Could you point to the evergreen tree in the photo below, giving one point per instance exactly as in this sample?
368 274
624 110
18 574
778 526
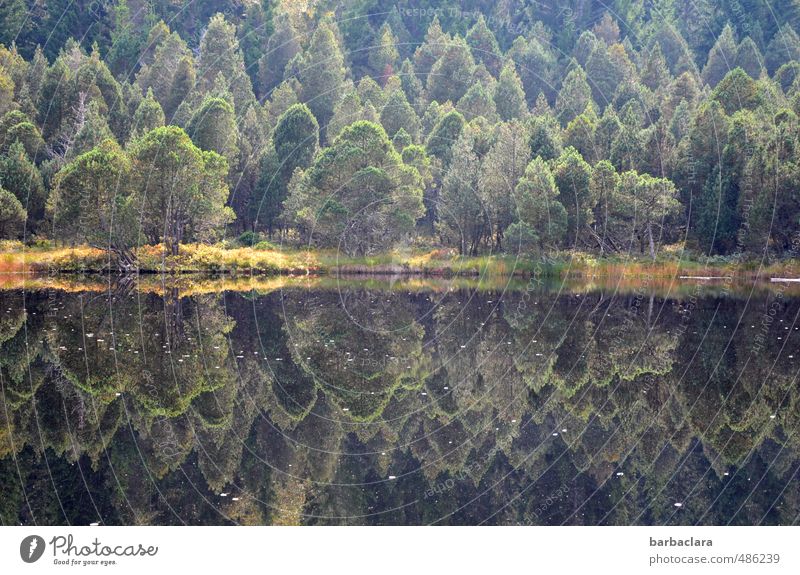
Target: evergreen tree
323 73
89 203
721 58
178 190
462 218
484 46
452 74
784 47
444 135
19 176
573 97
295 142
501 170
12 216
282 46
431 49
148 116
477 103
541 219
220 56
398 114
573 177
357 195
213 127
509 96
749 59
383 58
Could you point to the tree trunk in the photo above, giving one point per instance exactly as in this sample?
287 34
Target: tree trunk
650 240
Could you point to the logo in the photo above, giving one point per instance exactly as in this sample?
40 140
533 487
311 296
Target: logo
31 548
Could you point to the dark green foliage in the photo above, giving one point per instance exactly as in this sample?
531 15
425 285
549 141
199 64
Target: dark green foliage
295 141
444 135
650 89
12 216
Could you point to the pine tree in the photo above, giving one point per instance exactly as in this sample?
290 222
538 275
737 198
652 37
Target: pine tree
573 97
148 116
484 46
295 142
502 168
721 58
213 127
12 216
573 177
398 114
282 46
20 176
323 73
444 135
536 66
749 59
452 74
607 30
220 54
655 73
431 49
509 96
383 57
541 220
784 47
463 220
477 103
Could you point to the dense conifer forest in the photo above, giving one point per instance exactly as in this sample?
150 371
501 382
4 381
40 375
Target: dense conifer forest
481 127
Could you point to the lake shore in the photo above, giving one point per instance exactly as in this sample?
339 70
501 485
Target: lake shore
236 261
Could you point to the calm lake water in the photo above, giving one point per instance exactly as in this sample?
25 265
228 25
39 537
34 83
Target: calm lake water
409 402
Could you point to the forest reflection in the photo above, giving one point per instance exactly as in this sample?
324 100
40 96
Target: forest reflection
395 402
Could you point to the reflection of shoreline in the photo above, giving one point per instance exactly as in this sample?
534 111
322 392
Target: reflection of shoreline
567 413
671 287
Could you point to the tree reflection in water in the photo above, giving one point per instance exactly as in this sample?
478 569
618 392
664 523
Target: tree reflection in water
357 404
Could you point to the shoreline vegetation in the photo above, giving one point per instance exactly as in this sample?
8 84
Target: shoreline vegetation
16 258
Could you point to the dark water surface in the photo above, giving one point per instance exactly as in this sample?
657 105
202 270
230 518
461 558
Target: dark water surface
399 404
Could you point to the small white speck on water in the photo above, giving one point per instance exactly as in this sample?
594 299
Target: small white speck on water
555 433
772 416
563 431
726 473
392 477
223 494
620 474
235 498
678 504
